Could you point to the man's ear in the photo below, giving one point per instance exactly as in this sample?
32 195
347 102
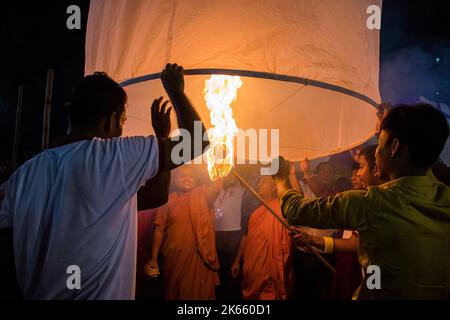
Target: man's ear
111 123
374 170
395 147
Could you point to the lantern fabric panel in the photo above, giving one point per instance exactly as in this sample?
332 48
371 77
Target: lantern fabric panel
309 67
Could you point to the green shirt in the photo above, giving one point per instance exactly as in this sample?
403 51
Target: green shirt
403 225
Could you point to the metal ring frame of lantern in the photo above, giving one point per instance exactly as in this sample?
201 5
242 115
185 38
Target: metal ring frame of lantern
261 75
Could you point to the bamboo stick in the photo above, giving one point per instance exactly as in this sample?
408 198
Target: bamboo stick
47 109
17 129
284 223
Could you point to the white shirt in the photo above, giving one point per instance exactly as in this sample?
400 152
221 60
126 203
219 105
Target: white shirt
76 205
228 208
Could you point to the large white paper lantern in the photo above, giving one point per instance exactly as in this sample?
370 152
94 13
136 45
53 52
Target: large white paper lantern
310 67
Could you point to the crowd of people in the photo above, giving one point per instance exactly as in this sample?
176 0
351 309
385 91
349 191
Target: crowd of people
139 225
259 258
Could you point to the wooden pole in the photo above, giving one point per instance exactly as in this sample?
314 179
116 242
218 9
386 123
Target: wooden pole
47 109
284 223
15 151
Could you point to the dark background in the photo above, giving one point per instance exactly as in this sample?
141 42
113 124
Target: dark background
34 38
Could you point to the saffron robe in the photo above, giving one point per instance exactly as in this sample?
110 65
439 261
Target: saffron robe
268 257
189 262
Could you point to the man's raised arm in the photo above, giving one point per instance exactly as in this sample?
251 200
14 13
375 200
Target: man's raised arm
173 81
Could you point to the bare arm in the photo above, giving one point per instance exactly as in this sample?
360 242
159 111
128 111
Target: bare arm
155 193
301 239
236 266
151 268
313 184
241 249
187 117
340 245
293 180
158 236
346 245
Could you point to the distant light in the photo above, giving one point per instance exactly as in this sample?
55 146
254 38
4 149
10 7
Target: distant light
438 60
438 93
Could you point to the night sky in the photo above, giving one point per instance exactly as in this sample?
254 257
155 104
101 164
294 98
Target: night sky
34 38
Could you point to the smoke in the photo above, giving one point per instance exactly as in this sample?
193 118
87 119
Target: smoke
410 73
413 74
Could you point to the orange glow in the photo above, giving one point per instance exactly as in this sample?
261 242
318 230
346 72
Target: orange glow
220 92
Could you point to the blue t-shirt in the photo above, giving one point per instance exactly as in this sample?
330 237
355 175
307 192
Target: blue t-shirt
76 206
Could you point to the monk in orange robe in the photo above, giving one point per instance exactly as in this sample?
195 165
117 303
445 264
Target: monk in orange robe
184 237
266 251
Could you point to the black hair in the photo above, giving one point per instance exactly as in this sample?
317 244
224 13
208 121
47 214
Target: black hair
323 164
422 128
97 96
369 154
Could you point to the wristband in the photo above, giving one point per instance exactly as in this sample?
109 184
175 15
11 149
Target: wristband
329 245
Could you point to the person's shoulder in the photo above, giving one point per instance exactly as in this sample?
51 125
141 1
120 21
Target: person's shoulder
39 164
355 193
42 158
384 192
367 195
130 144
132 139
239 188
173 196
274 203
100 147
443 192
259 210
120 140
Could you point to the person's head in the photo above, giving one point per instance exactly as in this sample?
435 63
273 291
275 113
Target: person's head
357 183
184 179
267 188
98 106
411 138
325 173
368 172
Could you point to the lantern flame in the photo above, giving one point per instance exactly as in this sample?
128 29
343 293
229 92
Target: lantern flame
220 92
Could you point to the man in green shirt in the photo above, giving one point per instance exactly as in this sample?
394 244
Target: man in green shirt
404 225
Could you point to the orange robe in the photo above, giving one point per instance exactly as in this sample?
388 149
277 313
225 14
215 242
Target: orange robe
268 257
189 262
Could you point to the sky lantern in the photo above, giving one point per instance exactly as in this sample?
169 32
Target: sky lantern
306 68
304 72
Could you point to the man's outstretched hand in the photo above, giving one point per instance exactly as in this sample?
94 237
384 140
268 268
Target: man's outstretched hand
151 268
161 118
173 79
187 117
284 170
302 240
282 177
